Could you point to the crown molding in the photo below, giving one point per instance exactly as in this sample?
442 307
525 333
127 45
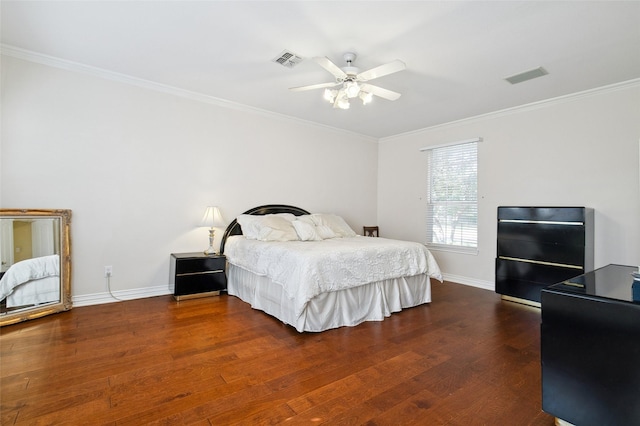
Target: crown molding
522 108
28 55
52 61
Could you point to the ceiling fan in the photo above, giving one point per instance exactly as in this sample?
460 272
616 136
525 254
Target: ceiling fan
354 83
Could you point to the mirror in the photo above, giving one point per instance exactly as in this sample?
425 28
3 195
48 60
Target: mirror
35 274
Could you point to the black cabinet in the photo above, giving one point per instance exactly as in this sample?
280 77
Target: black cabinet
540 246
197 275
590 349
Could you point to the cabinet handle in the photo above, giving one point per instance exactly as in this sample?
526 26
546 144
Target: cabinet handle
541 222
569 283
540 262
217 271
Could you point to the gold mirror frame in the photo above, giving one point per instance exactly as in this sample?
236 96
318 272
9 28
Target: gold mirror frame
64 304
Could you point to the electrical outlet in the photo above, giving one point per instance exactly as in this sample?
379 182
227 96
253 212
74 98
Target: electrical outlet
108 270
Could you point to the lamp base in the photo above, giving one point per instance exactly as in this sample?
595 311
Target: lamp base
210 251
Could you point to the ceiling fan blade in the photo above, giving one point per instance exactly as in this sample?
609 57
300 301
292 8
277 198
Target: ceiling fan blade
379 91
382 70
325 63
313 86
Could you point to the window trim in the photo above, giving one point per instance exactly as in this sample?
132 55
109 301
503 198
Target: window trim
444 145
452 249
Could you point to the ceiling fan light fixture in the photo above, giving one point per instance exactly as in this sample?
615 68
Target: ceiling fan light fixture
366 97
343 102
330 95
352 89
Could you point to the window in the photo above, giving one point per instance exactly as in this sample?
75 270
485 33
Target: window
452 196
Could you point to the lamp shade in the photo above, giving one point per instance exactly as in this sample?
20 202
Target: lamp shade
212 217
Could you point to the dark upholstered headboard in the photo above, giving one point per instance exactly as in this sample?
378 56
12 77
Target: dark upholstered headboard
235 229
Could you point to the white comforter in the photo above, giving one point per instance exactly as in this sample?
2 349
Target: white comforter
32 281
306 269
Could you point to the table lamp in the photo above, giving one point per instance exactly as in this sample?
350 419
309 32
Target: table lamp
212 218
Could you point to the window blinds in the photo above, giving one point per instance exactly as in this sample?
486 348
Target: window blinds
452 194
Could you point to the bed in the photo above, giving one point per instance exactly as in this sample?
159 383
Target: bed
313 272
31 282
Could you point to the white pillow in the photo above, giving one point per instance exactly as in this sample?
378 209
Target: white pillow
307 218
323 231
253 225
306 231
289 216
335 223
250 228
276 228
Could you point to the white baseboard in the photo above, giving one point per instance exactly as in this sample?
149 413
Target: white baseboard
141 293
119 295
487 285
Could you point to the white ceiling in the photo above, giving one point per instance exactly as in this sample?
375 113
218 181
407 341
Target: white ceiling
457 53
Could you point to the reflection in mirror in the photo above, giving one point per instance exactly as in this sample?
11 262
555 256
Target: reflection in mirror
35 273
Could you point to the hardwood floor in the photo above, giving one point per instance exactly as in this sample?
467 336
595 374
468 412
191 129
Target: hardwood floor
467 358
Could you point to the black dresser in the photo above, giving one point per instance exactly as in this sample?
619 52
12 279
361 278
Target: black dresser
540 246
590 349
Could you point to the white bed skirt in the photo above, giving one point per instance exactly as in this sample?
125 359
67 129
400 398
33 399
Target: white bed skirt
349 307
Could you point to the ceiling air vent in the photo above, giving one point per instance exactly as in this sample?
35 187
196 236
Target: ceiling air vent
527 75
288 59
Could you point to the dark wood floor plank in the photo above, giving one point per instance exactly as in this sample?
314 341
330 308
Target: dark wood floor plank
359 383
416 409
466 358
357 389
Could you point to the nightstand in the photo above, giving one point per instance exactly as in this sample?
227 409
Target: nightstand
197 275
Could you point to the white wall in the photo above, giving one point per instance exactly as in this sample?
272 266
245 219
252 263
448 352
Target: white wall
581 150
138 167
